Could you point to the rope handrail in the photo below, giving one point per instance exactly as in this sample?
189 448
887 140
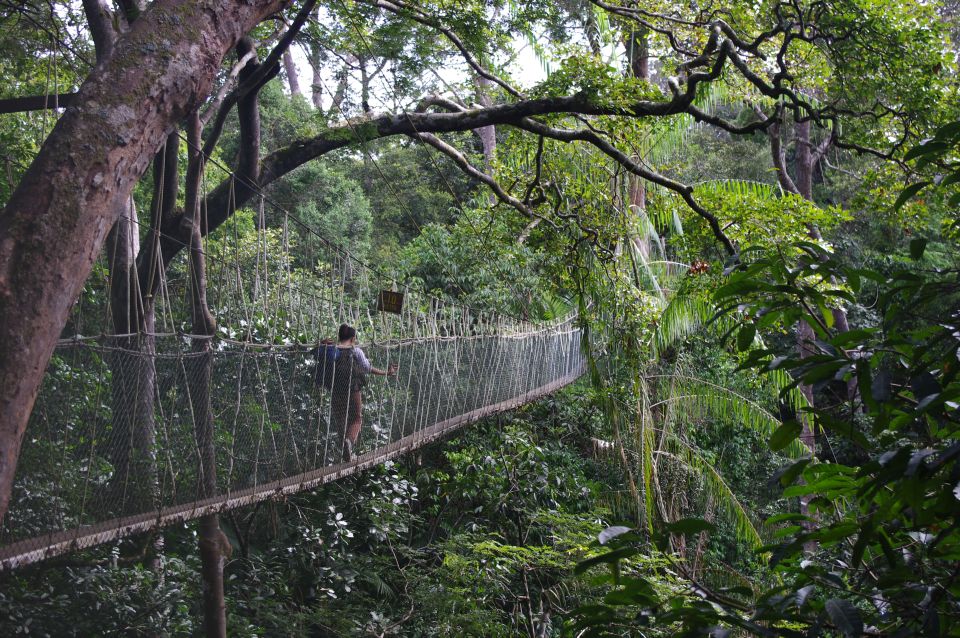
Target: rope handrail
111 469
26 552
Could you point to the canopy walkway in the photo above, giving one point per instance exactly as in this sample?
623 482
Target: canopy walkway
119 442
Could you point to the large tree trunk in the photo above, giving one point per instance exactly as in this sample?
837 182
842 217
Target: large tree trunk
487 134
316 86
316 65
805 162
131 447
365 79
57 220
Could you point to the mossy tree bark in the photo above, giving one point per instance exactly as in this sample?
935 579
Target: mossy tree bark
57 220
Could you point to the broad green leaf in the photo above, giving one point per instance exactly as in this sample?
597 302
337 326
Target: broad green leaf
929 148
612 532
917 246
784 434
908 193
787 475
690 526
845 617
745 337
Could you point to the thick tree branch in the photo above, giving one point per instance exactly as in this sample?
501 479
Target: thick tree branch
166 186
36 102
866 150
777 152
251 81
438 100
248 117
461 161
257 77
100 20
225 198
214 105
821 149
753 127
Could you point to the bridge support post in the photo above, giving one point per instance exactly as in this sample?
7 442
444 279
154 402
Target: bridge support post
214 551
214 546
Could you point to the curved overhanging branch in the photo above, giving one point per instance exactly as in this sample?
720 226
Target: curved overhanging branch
722 45
464 164
753 127
438 100
221 202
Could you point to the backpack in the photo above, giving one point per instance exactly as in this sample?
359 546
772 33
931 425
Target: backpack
348 375
326 355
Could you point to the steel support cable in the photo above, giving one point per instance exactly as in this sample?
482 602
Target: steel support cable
345 254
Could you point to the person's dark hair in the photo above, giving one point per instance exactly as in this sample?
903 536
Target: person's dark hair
346 332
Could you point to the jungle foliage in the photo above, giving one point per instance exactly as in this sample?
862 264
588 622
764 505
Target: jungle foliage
766 440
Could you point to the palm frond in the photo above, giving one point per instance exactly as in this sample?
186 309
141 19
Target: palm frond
737 188
713 481
703 399
683 316
794 398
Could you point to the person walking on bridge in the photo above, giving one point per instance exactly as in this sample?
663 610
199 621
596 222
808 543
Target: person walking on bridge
350 375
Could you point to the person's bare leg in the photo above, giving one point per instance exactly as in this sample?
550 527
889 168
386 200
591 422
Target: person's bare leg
356 411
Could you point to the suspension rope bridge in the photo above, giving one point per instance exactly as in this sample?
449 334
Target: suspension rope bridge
117 442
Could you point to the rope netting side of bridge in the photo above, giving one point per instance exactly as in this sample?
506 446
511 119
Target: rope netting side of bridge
117 442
